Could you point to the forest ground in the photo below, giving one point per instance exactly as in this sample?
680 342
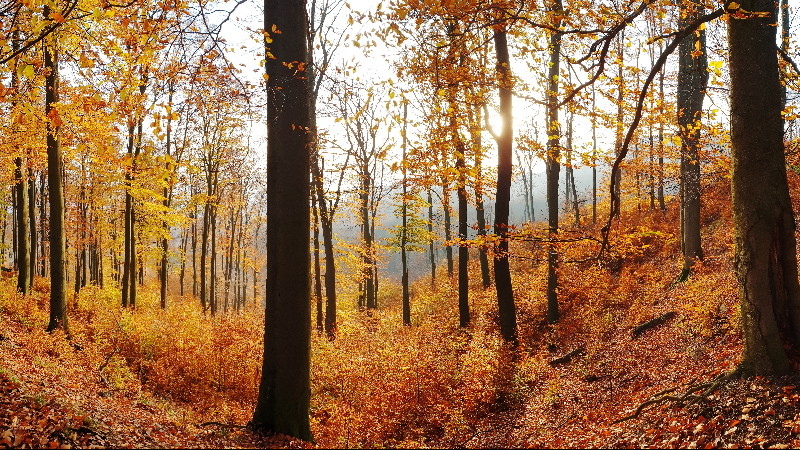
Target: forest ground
134 380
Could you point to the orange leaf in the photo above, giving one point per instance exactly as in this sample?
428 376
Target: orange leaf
57 17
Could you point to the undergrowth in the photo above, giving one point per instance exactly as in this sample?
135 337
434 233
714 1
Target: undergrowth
381 384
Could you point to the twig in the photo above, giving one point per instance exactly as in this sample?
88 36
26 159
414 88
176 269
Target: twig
223 425
680 400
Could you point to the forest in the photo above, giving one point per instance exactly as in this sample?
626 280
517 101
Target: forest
399 223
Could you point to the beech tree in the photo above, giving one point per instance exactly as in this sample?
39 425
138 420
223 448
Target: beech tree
285 389
502 270
765 254
692 84
55 189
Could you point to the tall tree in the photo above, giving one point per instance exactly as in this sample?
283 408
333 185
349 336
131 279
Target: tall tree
55 189
285 390
21 194
502 271
692 84
404 231
553 164
766 261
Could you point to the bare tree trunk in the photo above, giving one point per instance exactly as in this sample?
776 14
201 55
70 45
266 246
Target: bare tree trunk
620 121
23 224
766 261
502 272
58 250
553 168
692 84
432 249
475 118
285 388
404 230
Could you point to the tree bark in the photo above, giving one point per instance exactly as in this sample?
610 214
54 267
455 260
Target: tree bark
765 261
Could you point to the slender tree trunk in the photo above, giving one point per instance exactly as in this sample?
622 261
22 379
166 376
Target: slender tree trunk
317 267
432 249
203 254
127 273
24 238
553 168
502 272
44 200
58 245
23 225
212 289
475 118
369 251
163 269
594 159
33 235
404 232
571 174
448 236
620 121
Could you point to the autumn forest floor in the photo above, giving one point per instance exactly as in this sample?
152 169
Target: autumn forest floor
144 379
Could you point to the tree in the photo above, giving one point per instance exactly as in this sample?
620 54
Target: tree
692 84
766 261
285 389
553 165
502 271
55 189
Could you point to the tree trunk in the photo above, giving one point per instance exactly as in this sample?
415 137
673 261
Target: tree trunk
285 389
33 235
317 267
212 289
432 248
369 251
766 262
24 238
502 272
58 244
477 145
617 192
204 254
23 224
692 84
553 168
594 159
404 230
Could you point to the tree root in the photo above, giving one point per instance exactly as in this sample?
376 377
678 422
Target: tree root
695 393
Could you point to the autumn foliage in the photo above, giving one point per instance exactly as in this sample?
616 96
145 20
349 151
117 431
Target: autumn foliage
432 384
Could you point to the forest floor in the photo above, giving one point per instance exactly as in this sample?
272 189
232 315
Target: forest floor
51 398
383 385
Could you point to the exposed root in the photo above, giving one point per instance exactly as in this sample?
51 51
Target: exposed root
695 393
